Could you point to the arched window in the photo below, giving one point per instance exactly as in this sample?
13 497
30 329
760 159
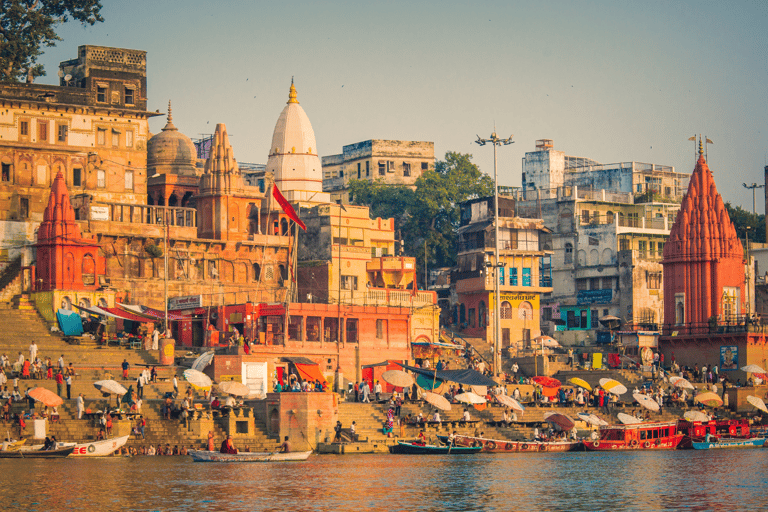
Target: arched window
89 269
525 311
256 271
568 253
283 273
609 217
505 313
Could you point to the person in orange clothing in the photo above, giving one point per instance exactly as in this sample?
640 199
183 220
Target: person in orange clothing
25 370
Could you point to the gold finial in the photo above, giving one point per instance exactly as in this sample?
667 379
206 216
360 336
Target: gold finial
170 112
292 94
701 147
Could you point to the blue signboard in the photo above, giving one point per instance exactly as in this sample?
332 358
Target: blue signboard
729 357
594 296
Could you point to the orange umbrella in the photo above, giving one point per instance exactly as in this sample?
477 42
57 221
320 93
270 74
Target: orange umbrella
46 397
709 399
438 401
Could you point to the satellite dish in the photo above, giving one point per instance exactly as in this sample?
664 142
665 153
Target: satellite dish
67 77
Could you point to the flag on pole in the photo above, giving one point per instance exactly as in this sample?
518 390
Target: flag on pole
287 208
693 138
709 141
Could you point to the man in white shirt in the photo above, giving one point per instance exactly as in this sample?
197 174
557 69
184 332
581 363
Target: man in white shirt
436 417
377 390
80 406
32 351
61 363
466 415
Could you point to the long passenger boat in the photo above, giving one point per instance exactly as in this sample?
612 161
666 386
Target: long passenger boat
713 442
505 446
638 436
415 448
697 431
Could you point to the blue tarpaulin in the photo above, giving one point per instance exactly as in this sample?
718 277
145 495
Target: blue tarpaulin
70 322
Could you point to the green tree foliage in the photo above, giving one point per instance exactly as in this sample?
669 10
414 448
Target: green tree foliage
431 212
26 26
743 219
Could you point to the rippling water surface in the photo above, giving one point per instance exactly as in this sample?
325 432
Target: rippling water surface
681 480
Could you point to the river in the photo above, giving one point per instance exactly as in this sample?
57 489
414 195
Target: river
677 480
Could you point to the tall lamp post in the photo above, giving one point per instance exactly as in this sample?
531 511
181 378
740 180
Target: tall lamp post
496 141
753 187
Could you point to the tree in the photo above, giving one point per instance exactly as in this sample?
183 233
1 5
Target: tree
26 26
743 219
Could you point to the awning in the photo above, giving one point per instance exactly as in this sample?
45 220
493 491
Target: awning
113 313
469 377
451 346
298 360
70 322
151 314
383 363
310 372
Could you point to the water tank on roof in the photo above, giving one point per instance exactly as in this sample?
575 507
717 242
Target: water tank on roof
544 144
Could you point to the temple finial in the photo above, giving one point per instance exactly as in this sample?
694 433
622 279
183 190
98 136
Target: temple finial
170 112
292 94
701 146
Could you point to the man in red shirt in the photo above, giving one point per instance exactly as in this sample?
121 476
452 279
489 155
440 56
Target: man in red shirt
59 382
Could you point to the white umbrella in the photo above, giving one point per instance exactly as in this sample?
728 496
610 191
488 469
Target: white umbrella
752 368
202 361
438 401
681 383
235 388
756 401
397 378
546 341
646 401
627 419
479 390
510 402
613 386
198 379
696 416
110 387
470 398
592 419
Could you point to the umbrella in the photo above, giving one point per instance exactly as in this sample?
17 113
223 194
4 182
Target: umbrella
510 402
479 390
610 321
49 398
753 400
397 378
561 420
592 419
470 398
438 401
110 387
681 383
646 401
234 388
752 368
613 386
202 361
547 382
709 399
581 383
695 416
198 379
626 419
546 341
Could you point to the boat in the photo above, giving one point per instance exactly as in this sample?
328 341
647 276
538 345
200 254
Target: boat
103 448
696 431
506 446
206 456
637 436
711 442
36 454
413 448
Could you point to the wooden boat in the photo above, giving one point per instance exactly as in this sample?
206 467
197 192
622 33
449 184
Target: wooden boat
206 456
102 448
637 436
431 449
36 454
696 431
505 446
712 442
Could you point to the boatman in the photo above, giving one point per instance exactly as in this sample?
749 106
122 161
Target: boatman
227 446
285 447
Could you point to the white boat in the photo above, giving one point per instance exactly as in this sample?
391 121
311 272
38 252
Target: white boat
103 448
206 456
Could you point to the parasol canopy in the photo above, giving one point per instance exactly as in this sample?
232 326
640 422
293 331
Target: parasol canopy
681 383
546 382
646 401
397 378
202 361
428 383
696 416
610 321
580 382
752 368
234 388
110 387
510 402
626 419
546 341
470 398
198 379
438 401
755 401
561 420
709 399
479 390
592 419
613 386
46 397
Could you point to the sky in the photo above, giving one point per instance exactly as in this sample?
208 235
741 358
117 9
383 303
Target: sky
615 81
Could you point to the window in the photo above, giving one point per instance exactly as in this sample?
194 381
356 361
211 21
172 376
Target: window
501 275
654 280
546 314
380 329
382 168
424 166
571 321
359 171
582 284
513 276
406 169
129 138
115 138
568 253
505 312
367 168
62 135
594 283
471 317
42 131
101 94
623 244
129 95
101 178
526 277
351 327
6 174
660 248
593 319
77 177
24 128
101 136
349 282
341 173
23 207
128 180
585 216
642 248
584 323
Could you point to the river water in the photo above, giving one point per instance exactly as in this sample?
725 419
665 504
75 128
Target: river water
676 480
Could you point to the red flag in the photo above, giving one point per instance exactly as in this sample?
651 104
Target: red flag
286 206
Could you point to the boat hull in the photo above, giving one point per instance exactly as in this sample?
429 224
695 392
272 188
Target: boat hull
503 446
100 448
668 443
36 454
429 449
729 444
206 456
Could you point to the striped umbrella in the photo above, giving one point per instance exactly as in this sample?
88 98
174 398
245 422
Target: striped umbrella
613 386
681 383
198 379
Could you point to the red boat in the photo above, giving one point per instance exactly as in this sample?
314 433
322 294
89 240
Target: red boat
504 446
638 436
696 431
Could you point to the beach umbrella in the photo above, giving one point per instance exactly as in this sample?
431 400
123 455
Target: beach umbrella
546 341
546 382
752 368
479 390
234 388
755 401
110 387
609 321
613 386
198 379
592 419
681 383
397 378
581 383
626 419
709 399
202 361
561 420
438 401
46 397
696 416
510 402
646 401
470 398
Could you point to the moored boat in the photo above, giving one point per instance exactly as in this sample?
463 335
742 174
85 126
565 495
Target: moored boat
505 446
206 456
103 448
36 454
714 442
430 449
696 431
637 436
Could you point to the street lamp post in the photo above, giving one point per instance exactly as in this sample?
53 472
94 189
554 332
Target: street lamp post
753 187
496 141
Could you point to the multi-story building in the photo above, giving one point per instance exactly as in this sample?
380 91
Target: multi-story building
394 162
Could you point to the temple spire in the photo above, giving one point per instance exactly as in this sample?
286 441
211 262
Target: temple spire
292 94
169 125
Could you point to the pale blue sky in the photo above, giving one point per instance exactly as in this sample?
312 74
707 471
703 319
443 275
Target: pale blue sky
609 80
